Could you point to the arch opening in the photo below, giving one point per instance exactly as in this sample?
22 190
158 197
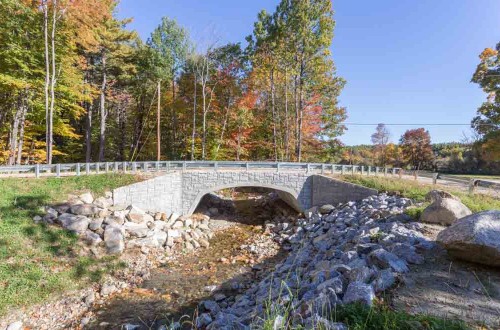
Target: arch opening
287 195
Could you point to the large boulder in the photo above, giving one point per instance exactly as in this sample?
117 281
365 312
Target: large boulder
85 209
114 239
475 238
445 209
137 215
75 223
136 229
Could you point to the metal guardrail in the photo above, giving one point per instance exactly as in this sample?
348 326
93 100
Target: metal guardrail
77 169
471 183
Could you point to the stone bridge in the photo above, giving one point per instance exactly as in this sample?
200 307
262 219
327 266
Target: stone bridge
180 192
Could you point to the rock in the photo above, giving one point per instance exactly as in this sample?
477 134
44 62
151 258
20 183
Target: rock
213 211
203 242
130 326
203 320
359 292
95 224
318 322
160 237
103 202
74 223
114 239
136 229
436 195
114 220
89 299
62 207
173 233
445 211
137 215
107 289
87 198
385 279
210 306
92 238
173 218
37 218
384 259
49 218
149 241
85 209
325 209
475 238
18 325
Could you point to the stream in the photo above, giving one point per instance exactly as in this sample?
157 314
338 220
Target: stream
240 253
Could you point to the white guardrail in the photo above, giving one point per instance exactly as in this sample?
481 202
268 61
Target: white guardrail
77 169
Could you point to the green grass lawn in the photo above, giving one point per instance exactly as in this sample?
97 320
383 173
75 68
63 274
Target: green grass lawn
38 261
417 191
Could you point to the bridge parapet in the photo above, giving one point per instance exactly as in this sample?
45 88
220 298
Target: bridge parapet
181 192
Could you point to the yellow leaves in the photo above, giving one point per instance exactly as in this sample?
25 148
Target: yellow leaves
487 53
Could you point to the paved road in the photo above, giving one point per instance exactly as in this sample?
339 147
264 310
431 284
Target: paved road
456 185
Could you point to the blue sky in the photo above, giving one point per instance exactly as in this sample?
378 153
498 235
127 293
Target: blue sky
404 61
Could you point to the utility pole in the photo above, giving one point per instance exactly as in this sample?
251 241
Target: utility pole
158 153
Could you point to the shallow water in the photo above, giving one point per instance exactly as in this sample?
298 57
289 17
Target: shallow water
173 291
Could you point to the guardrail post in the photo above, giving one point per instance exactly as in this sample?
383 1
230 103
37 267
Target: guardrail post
87 168
362 170
168 166
472 185
97 167
322 168
183 166
58 170
369 170
124 167
393 171
134 167
145 166
77 169
434 178
37 171
157 166
115 167
216 166
352 169
400 172
106 167
333 168
277 167
247 165
308 168
385 171
342 170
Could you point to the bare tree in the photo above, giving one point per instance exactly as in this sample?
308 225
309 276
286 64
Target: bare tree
380 139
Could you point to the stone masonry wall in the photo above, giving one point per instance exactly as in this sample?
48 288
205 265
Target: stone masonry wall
161 194
181 192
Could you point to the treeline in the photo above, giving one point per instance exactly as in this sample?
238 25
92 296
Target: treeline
415 151
76 85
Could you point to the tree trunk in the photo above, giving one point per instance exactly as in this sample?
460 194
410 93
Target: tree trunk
158 128
238 148
13 136
287 127
47 73
52 83
174 117
88 133
204 124
297 114
193 134
104 114
301 112
24 110
273 110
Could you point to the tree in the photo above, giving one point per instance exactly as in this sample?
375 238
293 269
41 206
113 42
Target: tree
487 121
416 148
170 44
380 139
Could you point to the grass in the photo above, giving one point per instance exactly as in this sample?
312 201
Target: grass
39 261
380 317
417 191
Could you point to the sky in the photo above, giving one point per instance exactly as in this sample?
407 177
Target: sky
405 62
